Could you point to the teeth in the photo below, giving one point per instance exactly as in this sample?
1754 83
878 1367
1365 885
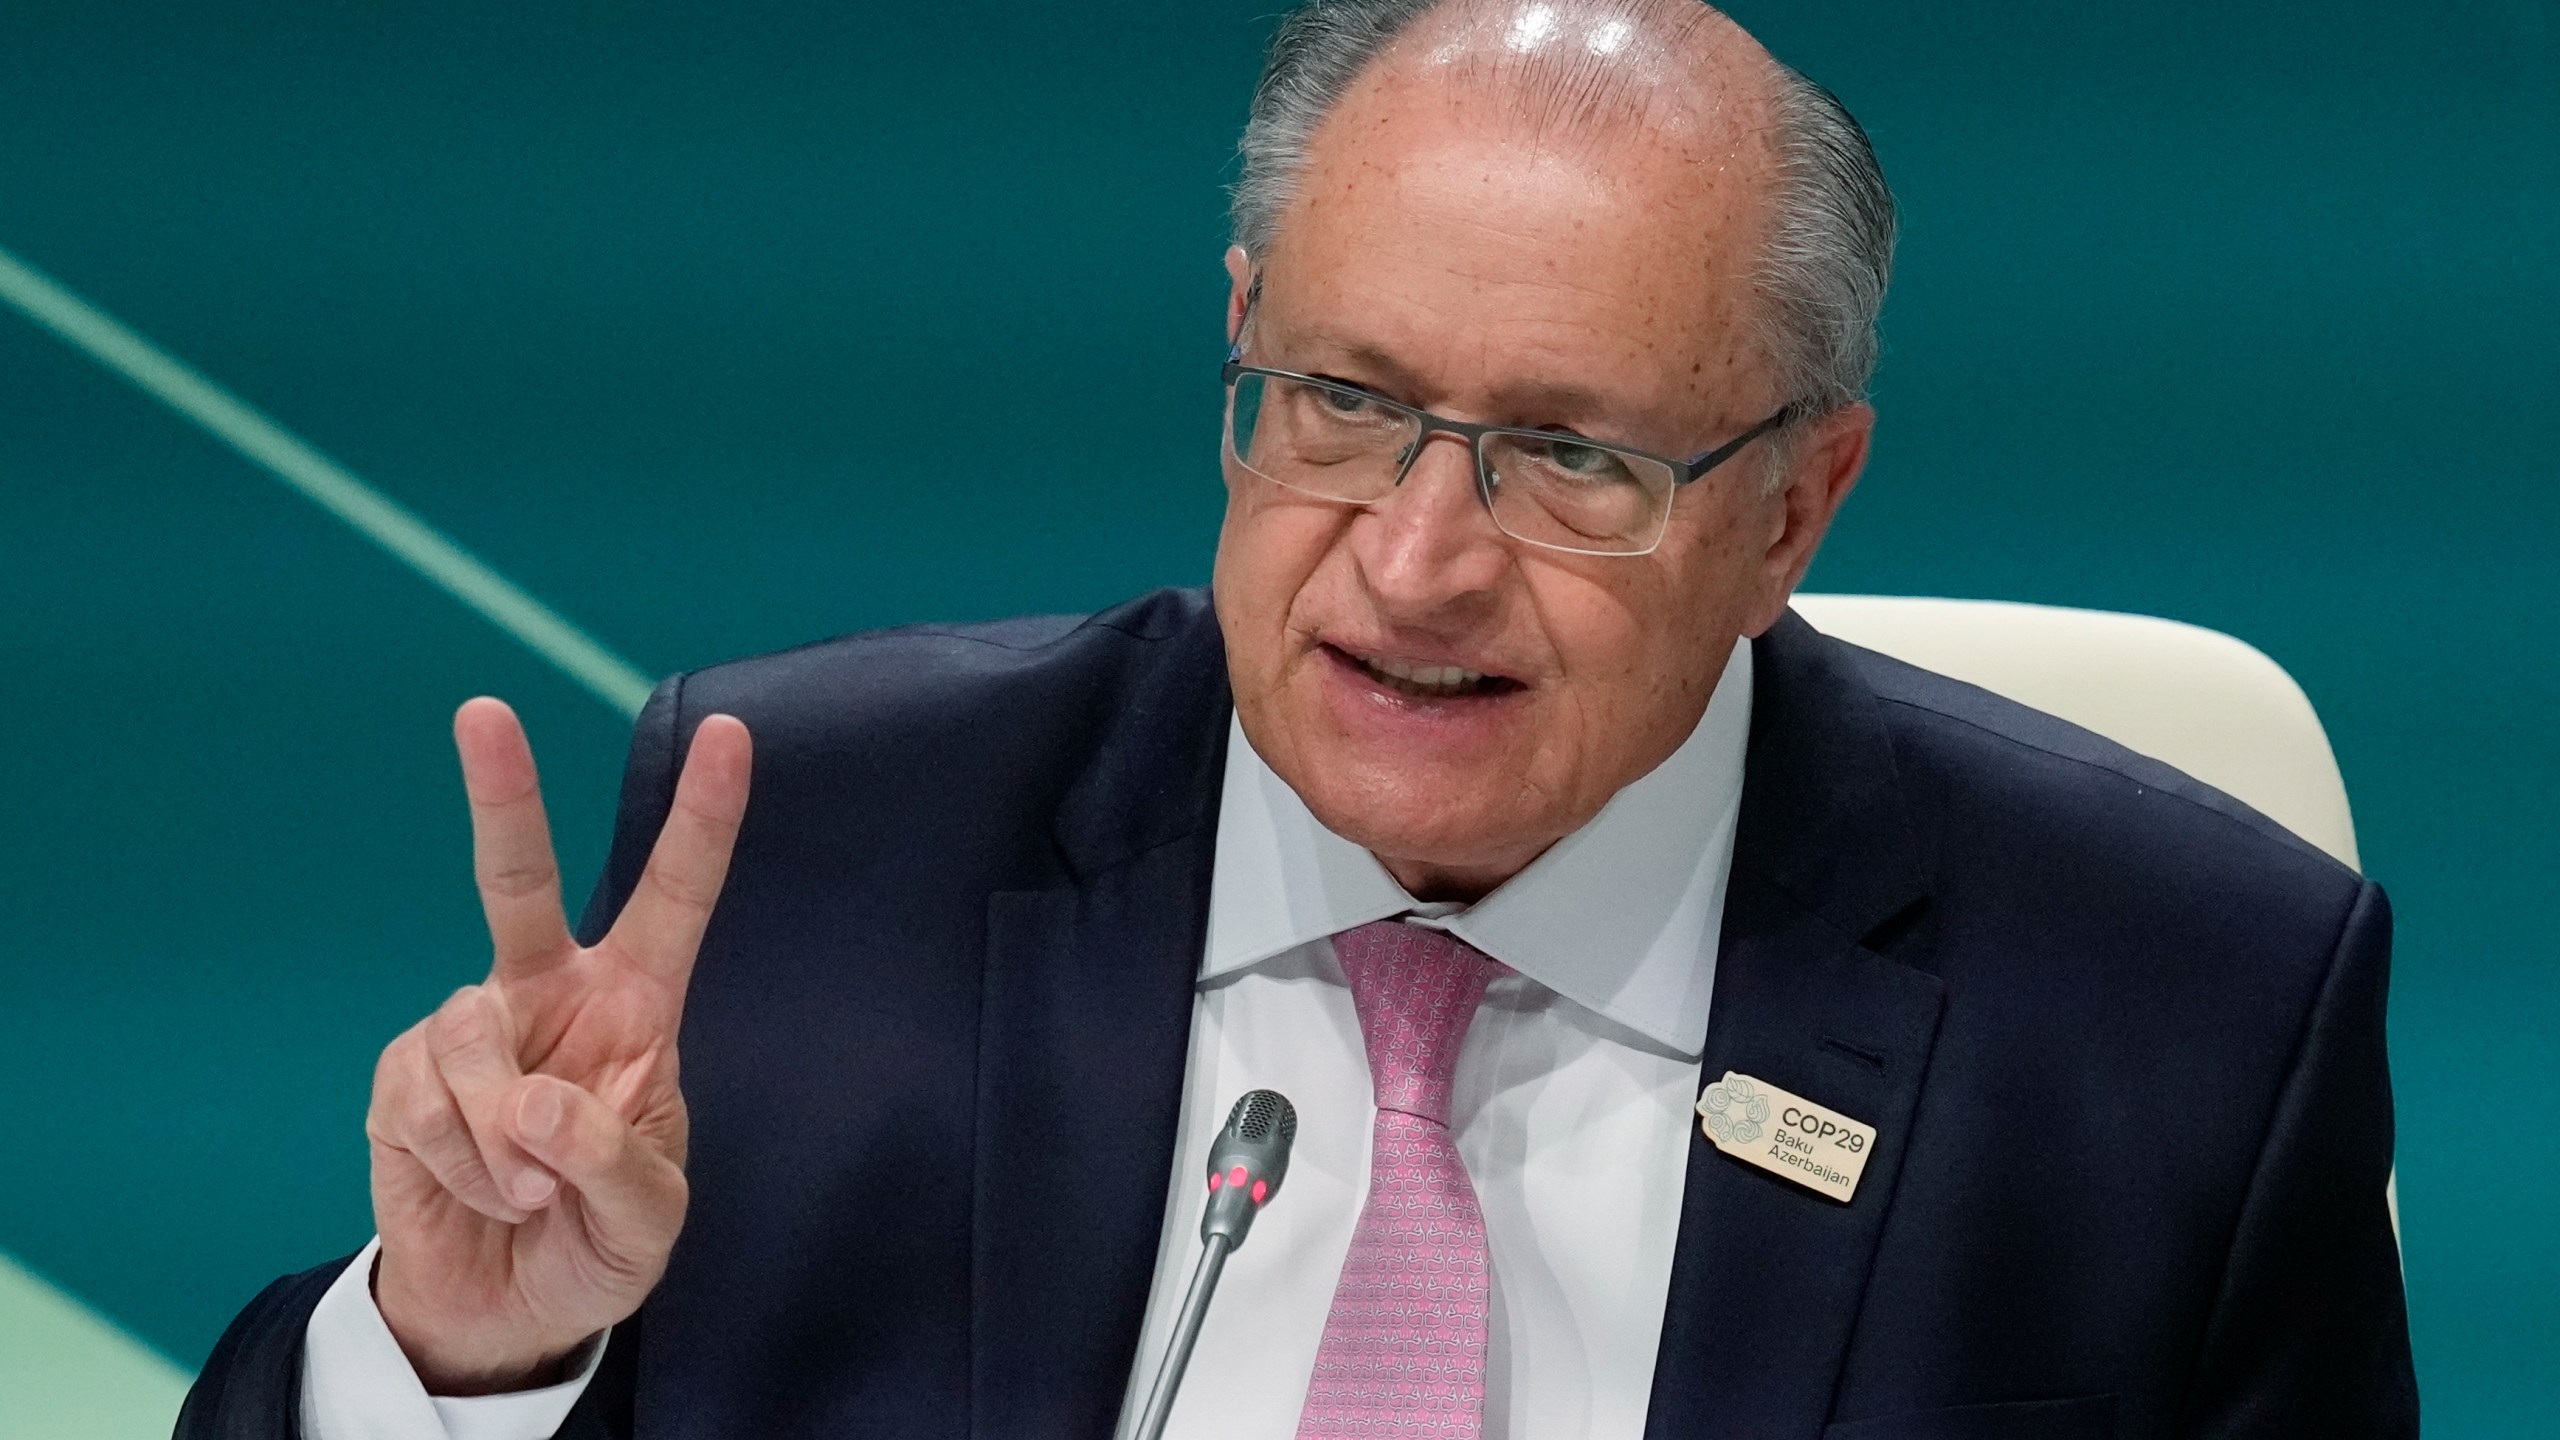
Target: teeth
1444 678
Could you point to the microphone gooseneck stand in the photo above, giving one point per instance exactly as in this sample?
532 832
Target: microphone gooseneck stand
1245 1167
1186 1333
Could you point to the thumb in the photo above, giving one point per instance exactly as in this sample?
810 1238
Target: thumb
632 1193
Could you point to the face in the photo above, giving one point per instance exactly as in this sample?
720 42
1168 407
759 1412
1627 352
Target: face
1452 699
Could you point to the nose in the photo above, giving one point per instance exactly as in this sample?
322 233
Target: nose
1431 545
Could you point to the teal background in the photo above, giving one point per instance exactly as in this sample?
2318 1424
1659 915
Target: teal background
722 328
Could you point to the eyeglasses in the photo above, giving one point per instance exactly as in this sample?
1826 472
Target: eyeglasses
1544 487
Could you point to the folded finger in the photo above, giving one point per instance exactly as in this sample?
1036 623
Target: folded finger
473 1048
413 1113
632 1193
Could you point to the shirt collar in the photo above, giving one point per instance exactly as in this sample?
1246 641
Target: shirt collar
1620 917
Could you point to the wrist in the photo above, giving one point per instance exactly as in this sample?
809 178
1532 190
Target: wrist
465 1359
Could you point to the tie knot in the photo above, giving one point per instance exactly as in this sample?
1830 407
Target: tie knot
1416 990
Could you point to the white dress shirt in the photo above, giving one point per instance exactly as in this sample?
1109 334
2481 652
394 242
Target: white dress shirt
1572 1107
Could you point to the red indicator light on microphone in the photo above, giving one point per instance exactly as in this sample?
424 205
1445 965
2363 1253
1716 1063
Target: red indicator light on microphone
1260 1190
1236 1176
1216 1180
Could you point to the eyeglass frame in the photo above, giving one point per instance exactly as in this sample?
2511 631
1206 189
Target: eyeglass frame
1683 472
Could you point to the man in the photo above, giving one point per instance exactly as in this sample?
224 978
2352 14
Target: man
1495 810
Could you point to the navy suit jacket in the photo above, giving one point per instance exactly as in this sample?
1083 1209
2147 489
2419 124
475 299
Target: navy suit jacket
2121 1039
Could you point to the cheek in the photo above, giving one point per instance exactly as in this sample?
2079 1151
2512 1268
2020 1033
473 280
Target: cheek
1713 565
1269 553
1606 632
1654 631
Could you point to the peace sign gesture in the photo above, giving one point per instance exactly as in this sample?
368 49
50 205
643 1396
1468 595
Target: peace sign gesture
528 1137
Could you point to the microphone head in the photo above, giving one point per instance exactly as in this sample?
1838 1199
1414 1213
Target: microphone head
1247 1162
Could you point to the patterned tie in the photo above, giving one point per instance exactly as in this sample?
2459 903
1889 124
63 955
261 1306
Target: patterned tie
1403 1349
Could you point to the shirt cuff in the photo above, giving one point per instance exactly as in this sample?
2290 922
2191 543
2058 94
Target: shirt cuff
356 1385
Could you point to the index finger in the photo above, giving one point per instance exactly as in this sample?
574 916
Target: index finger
661 925
511 856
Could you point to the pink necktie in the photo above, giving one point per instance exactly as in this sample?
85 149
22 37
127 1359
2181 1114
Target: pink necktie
1403 1349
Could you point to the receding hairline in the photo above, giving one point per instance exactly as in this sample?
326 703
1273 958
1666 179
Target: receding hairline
1598 70
1677 77
1790 145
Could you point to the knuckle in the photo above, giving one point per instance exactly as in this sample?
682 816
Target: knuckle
419 1118
400 1095
691 892
466 1022
456 1015
500 797
397 1062
466 1176
447 1148
709 822
382 1114
521 880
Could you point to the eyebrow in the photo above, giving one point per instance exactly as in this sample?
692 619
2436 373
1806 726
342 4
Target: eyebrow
1551 400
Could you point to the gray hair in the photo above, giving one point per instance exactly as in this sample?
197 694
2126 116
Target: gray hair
1830 252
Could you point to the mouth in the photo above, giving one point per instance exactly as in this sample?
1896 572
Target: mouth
1417 680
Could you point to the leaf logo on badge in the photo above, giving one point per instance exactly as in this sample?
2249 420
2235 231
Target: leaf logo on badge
1734 1110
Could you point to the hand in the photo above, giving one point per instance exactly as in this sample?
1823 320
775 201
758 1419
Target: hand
528 1138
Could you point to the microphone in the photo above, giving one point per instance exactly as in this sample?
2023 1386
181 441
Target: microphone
1246 1164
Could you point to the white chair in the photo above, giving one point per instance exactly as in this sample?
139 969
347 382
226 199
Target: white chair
2189 697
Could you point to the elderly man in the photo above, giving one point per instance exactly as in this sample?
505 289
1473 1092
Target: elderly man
1498 812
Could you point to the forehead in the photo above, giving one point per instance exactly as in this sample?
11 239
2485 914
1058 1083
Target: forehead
1568 63
1697 163
1444 209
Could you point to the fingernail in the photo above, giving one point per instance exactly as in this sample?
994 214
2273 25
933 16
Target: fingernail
533 1187
539 1113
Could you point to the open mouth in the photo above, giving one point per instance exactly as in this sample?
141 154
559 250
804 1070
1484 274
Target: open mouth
1425 682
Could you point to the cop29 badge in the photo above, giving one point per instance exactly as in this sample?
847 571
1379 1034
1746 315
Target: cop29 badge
1786 1135
1734 1110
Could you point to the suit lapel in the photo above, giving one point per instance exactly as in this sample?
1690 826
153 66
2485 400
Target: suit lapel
1767 1276
1085 1021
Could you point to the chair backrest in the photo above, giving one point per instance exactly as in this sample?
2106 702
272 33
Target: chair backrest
2186 696
2183 695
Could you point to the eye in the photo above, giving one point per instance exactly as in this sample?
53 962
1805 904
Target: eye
1343 399
1582 459
1581 462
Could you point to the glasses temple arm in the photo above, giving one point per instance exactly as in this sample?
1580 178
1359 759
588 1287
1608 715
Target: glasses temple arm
1713 458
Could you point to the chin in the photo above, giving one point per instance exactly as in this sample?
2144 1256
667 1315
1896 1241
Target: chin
1446 822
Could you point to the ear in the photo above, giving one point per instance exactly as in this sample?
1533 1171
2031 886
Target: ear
1240 289
1823 468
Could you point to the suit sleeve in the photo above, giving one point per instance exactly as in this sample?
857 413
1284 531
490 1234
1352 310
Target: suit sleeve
251 1386
2310 1334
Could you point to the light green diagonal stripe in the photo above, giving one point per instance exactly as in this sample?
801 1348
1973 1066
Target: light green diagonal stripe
65 1374
370 513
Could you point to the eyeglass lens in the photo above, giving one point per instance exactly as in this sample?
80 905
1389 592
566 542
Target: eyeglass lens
1339 444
